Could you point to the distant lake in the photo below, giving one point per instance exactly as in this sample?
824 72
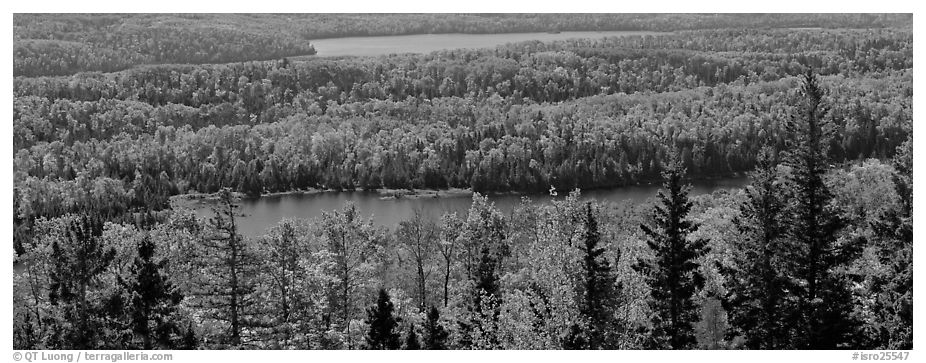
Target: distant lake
264 212
426 43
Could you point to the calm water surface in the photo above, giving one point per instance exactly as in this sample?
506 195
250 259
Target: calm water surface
426 43
264 212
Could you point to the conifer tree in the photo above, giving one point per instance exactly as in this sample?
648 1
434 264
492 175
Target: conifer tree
382 333
821 316
154 301
600 289
190 341
78 263
435 337
756 284
230 264
411 340
674 274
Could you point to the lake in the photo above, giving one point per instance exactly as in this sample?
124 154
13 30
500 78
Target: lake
264 212
426 43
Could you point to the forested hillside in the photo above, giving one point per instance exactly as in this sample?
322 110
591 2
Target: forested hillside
64 44
815 254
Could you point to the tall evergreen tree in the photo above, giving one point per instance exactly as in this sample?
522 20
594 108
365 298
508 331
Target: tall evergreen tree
756 282
190 341
78 263
674 274
894 233
230 263
411 340
382 334
821 317
435 337
154 301
600 289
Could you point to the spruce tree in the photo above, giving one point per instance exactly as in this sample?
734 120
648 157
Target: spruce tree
756 282
189 342
382 334
821 316
674 274
154 301
600 289
78 263
411 339
435 337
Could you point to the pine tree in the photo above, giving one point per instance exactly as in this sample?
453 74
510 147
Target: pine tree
382 334
756 283
154 301
189 342
674 275
411 340
821 317
78 262
600 289
894 232
435 337
230 264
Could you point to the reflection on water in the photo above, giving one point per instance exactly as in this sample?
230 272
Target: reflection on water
262 213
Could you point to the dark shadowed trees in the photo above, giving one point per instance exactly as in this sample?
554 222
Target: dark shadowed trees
383 333
600 290
673 275
757 283
435 336
821 315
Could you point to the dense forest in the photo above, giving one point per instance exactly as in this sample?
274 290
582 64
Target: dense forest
816 253
64 44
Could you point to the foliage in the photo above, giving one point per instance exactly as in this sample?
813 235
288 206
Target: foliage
383 332
674 275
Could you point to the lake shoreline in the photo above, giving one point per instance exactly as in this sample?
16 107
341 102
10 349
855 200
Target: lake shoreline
424 43
192 199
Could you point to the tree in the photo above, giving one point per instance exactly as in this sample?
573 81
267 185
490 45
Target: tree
600 289
190 341
382 333
78 261
450 229
674 274
485 247
230 265
821 316
294 281
756 282
418 238
894 233
435 337
354 246
411 340
154 301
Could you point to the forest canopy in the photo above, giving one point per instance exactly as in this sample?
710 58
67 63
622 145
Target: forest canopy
64 44
115 116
